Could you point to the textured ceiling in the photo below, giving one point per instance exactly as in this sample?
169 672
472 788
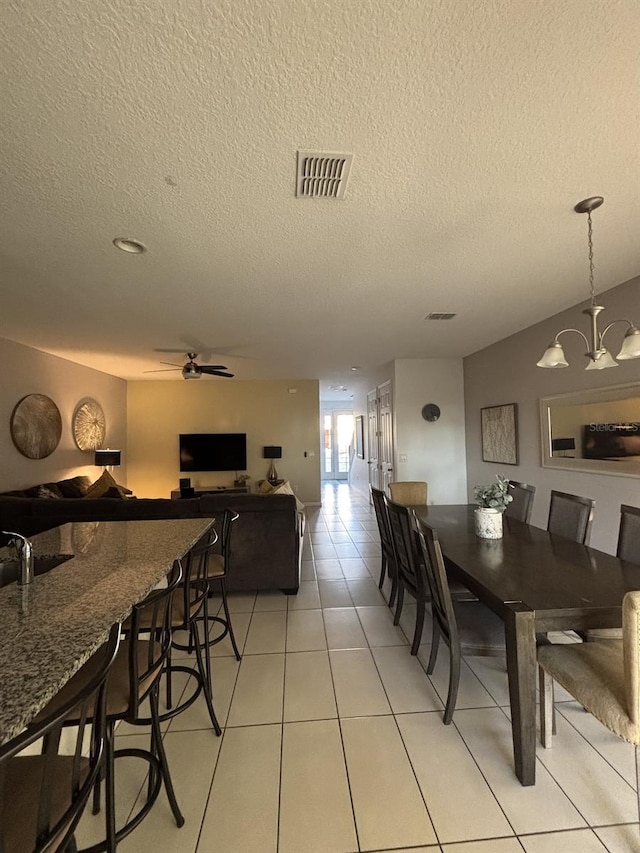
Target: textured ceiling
475 126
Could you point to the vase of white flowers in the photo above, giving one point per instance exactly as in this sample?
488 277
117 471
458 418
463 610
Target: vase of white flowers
492 501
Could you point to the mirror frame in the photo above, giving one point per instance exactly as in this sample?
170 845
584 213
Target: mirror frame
593 466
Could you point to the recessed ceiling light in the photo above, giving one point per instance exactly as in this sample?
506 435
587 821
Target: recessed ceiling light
128 244
355 368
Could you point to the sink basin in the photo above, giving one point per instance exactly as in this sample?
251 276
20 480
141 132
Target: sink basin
10 569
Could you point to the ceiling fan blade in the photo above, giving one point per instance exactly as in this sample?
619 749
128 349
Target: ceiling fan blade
172 364
216 372
163 369
207 368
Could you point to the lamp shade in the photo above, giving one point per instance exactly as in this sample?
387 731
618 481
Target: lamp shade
106 457
605 360
630 345
272 452
553 356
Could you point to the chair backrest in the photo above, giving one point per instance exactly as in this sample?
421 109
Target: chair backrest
228 517
522 503
149 639
408 492
629 534
55 786
570 516
631 653
410 569
441 604
380 508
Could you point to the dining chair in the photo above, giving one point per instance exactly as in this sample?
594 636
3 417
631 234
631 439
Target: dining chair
411 575
388 565
217 569
522 504
570 516
43 793
408 492
629 550
603 677
467 627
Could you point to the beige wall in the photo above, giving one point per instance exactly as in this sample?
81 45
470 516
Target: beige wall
266 410
29 371
506 373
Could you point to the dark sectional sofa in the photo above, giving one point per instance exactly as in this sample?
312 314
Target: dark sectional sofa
266 540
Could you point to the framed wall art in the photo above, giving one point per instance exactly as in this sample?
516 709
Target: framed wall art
88 425
499 426
36 426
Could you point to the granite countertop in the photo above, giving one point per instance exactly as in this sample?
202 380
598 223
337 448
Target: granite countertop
50 628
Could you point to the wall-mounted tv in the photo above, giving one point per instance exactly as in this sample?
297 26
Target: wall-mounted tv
213 451
611 441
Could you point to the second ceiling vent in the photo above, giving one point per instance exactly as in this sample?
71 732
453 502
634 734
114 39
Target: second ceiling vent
322 174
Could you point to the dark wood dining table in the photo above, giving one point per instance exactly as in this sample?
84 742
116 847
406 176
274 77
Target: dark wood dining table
536 583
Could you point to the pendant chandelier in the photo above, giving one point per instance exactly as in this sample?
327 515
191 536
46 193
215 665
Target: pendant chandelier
598 355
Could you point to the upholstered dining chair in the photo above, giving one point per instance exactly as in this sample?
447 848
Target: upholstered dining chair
603 677
388 564
522 504
629 550
467 627
43 796
570 516
408 492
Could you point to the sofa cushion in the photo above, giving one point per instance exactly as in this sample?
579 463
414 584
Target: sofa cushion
45 492
75 487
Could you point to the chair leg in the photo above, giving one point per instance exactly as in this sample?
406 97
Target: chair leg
383 570
228 618
110 789
546 708
167 676
417 634
399 603
435 645
164 767
207 689
454 682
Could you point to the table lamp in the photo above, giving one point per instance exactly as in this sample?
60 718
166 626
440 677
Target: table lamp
272 453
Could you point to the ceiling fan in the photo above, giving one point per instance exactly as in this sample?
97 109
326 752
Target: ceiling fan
191 370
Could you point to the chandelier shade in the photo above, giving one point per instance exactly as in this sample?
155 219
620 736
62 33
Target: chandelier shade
599 356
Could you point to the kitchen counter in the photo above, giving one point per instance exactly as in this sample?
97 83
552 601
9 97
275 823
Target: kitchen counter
50 628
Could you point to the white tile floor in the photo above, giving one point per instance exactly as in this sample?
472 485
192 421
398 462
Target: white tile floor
333 739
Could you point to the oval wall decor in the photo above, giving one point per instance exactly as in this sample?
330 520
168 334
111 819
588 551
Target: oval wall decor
36 426
89 425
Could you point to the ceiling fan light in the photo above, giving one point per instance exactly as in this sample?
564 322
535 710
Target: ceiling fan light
553 356
602 361
190 371
630 345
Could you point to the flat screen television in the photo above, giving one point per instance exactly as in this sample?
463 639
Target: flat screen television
611 441
213 451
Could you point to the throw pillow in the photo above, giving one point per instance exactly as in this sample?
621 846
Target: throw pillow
101 486
265 487
44 492
114 492
75 487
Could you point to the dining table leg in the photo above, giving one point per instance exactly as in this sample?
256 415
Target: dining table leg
520 640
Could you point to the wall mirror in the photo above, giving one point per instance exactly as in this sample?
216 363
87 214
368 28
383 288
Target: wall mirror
597 430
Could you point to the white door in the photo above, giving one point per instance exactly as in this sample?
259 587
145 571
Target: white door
338 439
385 430
372 438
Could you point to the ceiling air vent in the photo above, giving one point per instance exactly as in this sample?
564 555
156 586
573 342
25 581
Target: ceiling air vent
440 315
322 174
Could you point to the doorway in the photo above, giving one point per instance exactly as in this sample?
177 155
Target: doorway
338 440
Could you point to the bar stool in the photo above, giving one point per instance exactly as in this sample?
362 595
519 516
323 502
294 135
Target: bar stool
42 797
134 677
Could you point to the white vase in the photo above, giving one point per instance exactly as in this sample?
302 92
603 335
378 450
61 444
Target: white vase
488 523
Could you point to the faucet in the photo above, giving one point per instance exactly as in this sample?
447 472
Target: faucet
24 549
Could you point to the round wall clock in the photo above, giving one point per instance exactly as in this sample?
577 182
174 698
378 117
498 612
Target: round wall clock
36 426
89 425
430 412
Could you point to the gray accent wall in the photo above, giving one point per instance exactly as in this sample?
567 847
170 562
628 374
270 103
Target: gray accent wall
506 372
